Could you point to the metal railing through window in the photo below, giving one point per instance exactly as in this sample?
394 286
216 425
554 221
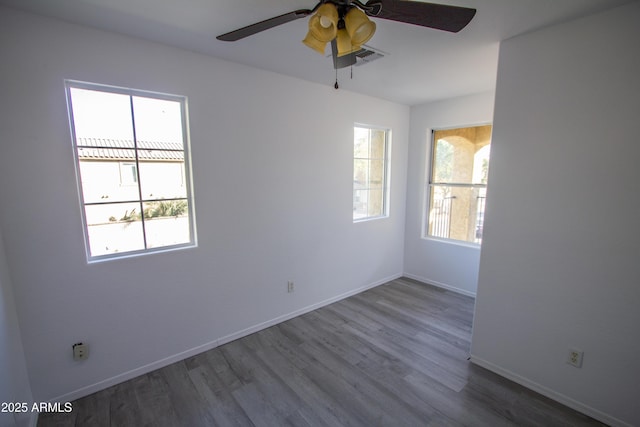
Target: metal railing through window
441 217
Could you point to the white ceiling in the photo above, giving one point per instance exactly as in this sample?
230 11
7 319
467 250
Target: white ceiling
422 64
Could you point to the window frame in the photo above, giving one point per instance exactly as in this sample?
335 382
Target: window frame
429 170
386 186
186 173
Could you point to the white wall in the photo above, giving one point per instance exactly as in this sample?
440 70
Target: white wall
272 168
560 258
450 265
14 383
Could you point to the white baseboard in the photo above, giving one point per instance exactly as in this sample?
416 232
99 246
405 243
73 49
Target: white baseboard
101 385
440 285
145 369
248 331
552 394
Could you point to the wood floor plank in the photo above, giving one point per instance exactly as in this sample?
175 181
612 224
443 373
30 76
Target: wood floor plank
316 407
363 388
223 407
152 395
395 355
93 411
265 381
190 406
466 412
123 406
56 419
257 406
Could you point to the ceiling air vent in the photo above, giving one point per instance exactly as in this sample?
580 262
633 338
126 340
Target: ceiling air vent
366 55
363 56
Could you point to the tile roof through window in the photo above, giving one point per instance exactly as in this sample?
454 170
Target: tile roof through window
123 149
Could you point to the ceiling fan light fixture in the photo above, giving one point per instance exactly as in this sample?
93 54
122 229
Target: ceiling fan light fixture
343 42
359 26
315 44
324 24
328 13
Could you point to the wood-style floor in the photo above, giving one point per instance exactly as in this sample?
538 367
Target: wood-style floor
395 355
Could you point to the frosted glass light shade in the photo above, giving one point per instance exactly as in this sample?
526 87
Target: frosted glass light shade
344 43
324 24
359 26
314 43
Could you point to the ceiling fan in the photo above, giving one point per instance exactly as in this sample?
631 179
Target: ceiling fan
346 24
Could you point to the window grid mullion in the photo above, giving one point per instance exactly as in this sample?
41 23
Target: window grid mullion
122 202
458 184
137 160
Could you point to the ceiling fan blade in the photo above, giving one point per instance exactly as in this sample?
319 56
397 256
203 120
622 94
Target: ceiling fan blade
432 15
263 25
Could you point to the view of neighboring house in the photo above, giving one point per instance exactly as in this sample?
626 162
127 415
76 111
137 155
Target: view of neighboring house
150 182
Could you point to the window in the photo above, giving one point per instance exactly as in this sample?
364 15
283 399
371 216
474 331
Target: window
131 151
370 172
128 174
458 183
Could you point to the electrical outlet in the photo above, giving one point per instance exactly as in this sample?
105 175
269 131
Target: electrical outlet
290 286
80 351
574 357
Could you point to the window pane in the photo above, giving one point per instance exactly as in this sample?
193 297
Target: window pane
376 173
368 203
360 203
481 165
377 144
443 161
114 228
360 173
167 223
375 207
157 120
160 147
361 143
440 212
162 180
101 115
461 155
456 212
108 180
